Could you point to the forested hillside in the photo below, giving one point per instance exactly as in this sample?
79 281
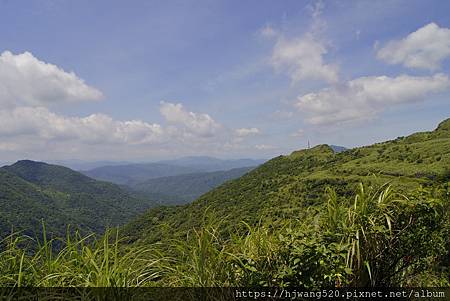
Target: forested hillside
32 192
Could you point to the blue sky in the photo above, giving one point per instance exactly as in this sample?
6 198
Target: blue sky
146 80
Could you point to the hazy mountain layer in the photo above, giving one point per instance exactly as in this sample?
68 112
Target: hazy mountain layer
186 188
133 174
208 164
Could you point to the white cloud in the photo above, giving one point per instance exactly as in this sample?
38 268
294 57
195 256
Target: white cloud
244 132
40 133
29 87
39 122
425 48
365 97
302 58
25 80
198 124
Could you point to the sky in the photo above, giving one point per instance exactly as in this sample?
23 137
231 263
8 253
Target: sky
150 80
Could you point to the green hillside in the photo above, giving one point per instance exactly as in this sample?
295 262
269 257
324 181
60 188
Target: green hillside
23 206
34 191
183 189
286 186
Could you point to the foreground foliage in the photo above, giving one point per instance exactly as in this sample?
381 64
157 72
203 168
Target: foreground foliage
376 238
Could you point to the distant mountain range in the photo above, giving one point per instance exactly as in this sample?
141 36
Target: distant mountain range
133 174
185 188
34 191
208 164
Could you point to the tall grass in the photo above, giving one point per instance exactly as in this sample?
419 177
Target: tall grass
377 238
81 262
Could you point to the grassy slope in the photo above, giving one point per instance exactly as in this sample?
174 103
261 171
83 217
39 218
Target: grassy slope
286 186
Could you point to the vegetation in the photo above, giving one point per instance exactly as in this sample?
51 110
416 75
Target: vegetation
380 238
33 191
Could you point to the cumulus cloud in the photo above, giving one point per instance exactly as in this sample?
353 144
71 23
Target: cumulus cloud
196 123
425 48
244 132
29 87
25 80
39 122
302 58
365 97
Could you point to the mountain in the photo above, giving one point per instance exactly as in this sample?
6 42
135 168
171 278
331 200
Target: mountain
205 163
132 174
289 186
31 191
186 188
